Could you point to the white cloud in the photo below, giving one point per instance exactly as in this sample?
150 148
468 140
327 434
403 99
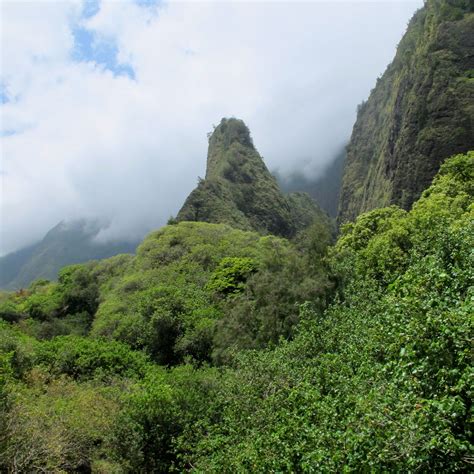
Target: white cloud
93 143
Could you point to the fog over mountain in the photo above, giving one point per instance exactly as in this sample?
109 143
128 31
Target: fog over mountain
106 106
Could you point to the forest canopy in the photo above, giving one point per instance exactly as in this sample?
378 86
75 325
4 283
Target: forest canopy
216 349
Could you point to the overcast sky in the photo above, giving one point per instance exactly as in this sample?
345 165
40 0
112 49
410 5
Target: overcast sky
105 106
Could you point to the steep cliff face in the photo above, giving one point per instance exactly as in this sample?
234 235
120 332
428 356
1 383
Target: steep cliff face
420 112
240 191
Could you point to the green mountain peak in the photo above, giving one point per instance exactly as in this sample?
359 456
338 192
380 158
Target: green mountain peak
240 191
230 137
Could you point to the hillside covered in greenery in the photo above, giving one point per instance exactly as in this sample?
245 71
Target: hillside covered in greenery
220 350
238 189
419 113
245 335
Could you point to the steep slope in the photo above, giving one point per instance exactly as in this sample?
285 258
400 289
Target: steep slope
420 112
240 191
64 244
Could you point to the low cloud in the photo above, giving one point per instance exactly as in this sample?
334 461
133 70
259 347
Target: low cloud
105 110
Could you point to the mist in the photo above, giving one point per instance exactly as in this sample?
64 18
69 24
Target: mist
106 106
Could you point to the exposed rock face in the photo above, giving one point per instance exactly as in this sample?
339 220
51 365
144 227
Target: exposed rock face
420 112
240 191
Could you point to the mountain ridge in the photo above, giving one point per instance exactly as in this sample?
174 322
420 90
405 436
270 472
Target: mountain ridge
68 242
419 113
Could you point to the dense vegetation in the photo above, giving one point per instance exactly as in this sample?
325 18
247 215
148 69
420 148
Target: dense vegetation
191 289
243 337
419 113
219 350
240 191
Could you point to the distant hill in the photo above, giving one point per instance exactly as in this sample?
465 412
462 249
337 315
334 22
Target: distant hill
324 189
238 189
65 244
419 113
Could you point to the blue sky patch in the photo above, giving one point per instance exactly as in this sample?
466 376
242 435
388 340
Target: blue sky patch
7 133
147 3
3 94
90 8
88 47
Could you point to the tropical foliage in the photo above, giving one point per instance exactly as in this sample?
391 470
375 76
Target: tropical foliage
219 350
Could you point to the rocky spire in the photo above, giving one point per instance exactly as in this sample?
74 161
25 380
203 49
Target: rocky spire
240 191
